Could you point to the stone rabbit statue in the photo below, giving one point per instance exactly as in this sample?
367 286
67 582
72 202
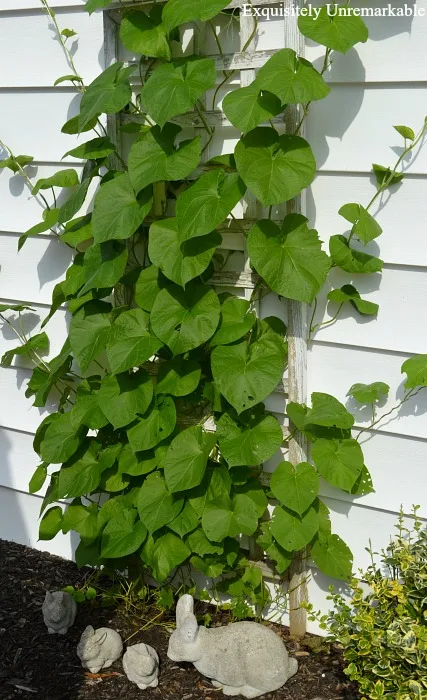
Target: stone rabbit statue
243 658
99 648
141 665
59 611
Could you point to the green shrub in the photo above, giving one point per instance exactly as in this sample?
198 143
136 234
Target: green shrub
384 632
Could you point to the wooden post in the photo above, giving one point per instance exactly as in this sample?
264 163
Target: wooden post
297 336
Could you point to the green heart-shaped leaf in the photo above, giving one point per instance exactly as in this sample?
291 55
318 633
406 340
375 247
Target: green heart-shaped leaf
275 168
178 377
180 261
154 157
117 211
296 487
339 32
154 426
364 225
186 459
104 264
225 517
89 330
121 397
251 441
289 259
178 12
173 88
333 557
292 531
207 203
145 34
292 79
130 342
368 393
338 461
109 93
185 320
156 506
416 370
122 536
246 373
236 320
248 107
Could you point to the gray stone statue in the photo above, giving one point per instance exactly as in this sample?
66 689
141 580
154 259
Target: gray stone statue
99 648
243 658
141 665
59 611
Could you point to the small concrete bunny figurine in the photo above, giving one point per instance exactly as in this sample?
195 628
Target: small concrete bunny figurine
243 658
59 611
99 648
141 665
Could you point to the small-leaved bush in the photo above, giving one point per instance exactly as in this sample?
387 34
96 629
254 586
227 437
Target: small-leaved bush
384 632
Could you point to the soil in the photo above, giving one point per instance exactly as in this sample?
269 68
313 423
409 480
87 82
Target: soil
34 664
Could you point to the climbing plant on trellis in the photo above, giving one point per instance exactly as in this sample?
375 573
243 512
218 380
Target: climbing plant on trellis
162 430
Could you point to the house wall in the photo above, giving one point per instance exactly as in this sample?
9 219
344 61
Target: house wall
374 86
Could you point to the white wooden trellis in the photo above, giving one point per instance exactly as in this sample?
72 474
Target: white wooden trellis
246 61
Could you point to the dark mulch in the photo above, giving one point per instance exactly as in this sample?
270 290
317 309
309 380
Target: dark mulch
34 664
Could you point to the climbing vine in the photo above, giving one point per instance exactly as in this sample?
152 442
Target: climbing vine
155 356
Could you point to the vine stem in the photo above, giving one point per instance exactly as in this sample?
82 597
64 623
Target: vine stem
307 106
25 175
325 323
229 74
62 42
405 152
409 395
35 357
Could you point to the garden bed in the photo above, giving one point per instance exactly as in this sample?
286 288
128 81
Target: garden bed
34 664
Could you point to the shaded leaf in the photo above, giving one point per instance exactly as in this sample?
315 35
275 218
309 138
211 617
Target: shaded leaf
180 262
249 441
208 202
93 150
185 320
178 377
186 459
103 266
225 517
248 107
109 93
154 157
235 321
89 331
130 343
123 396
154 426
156 506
